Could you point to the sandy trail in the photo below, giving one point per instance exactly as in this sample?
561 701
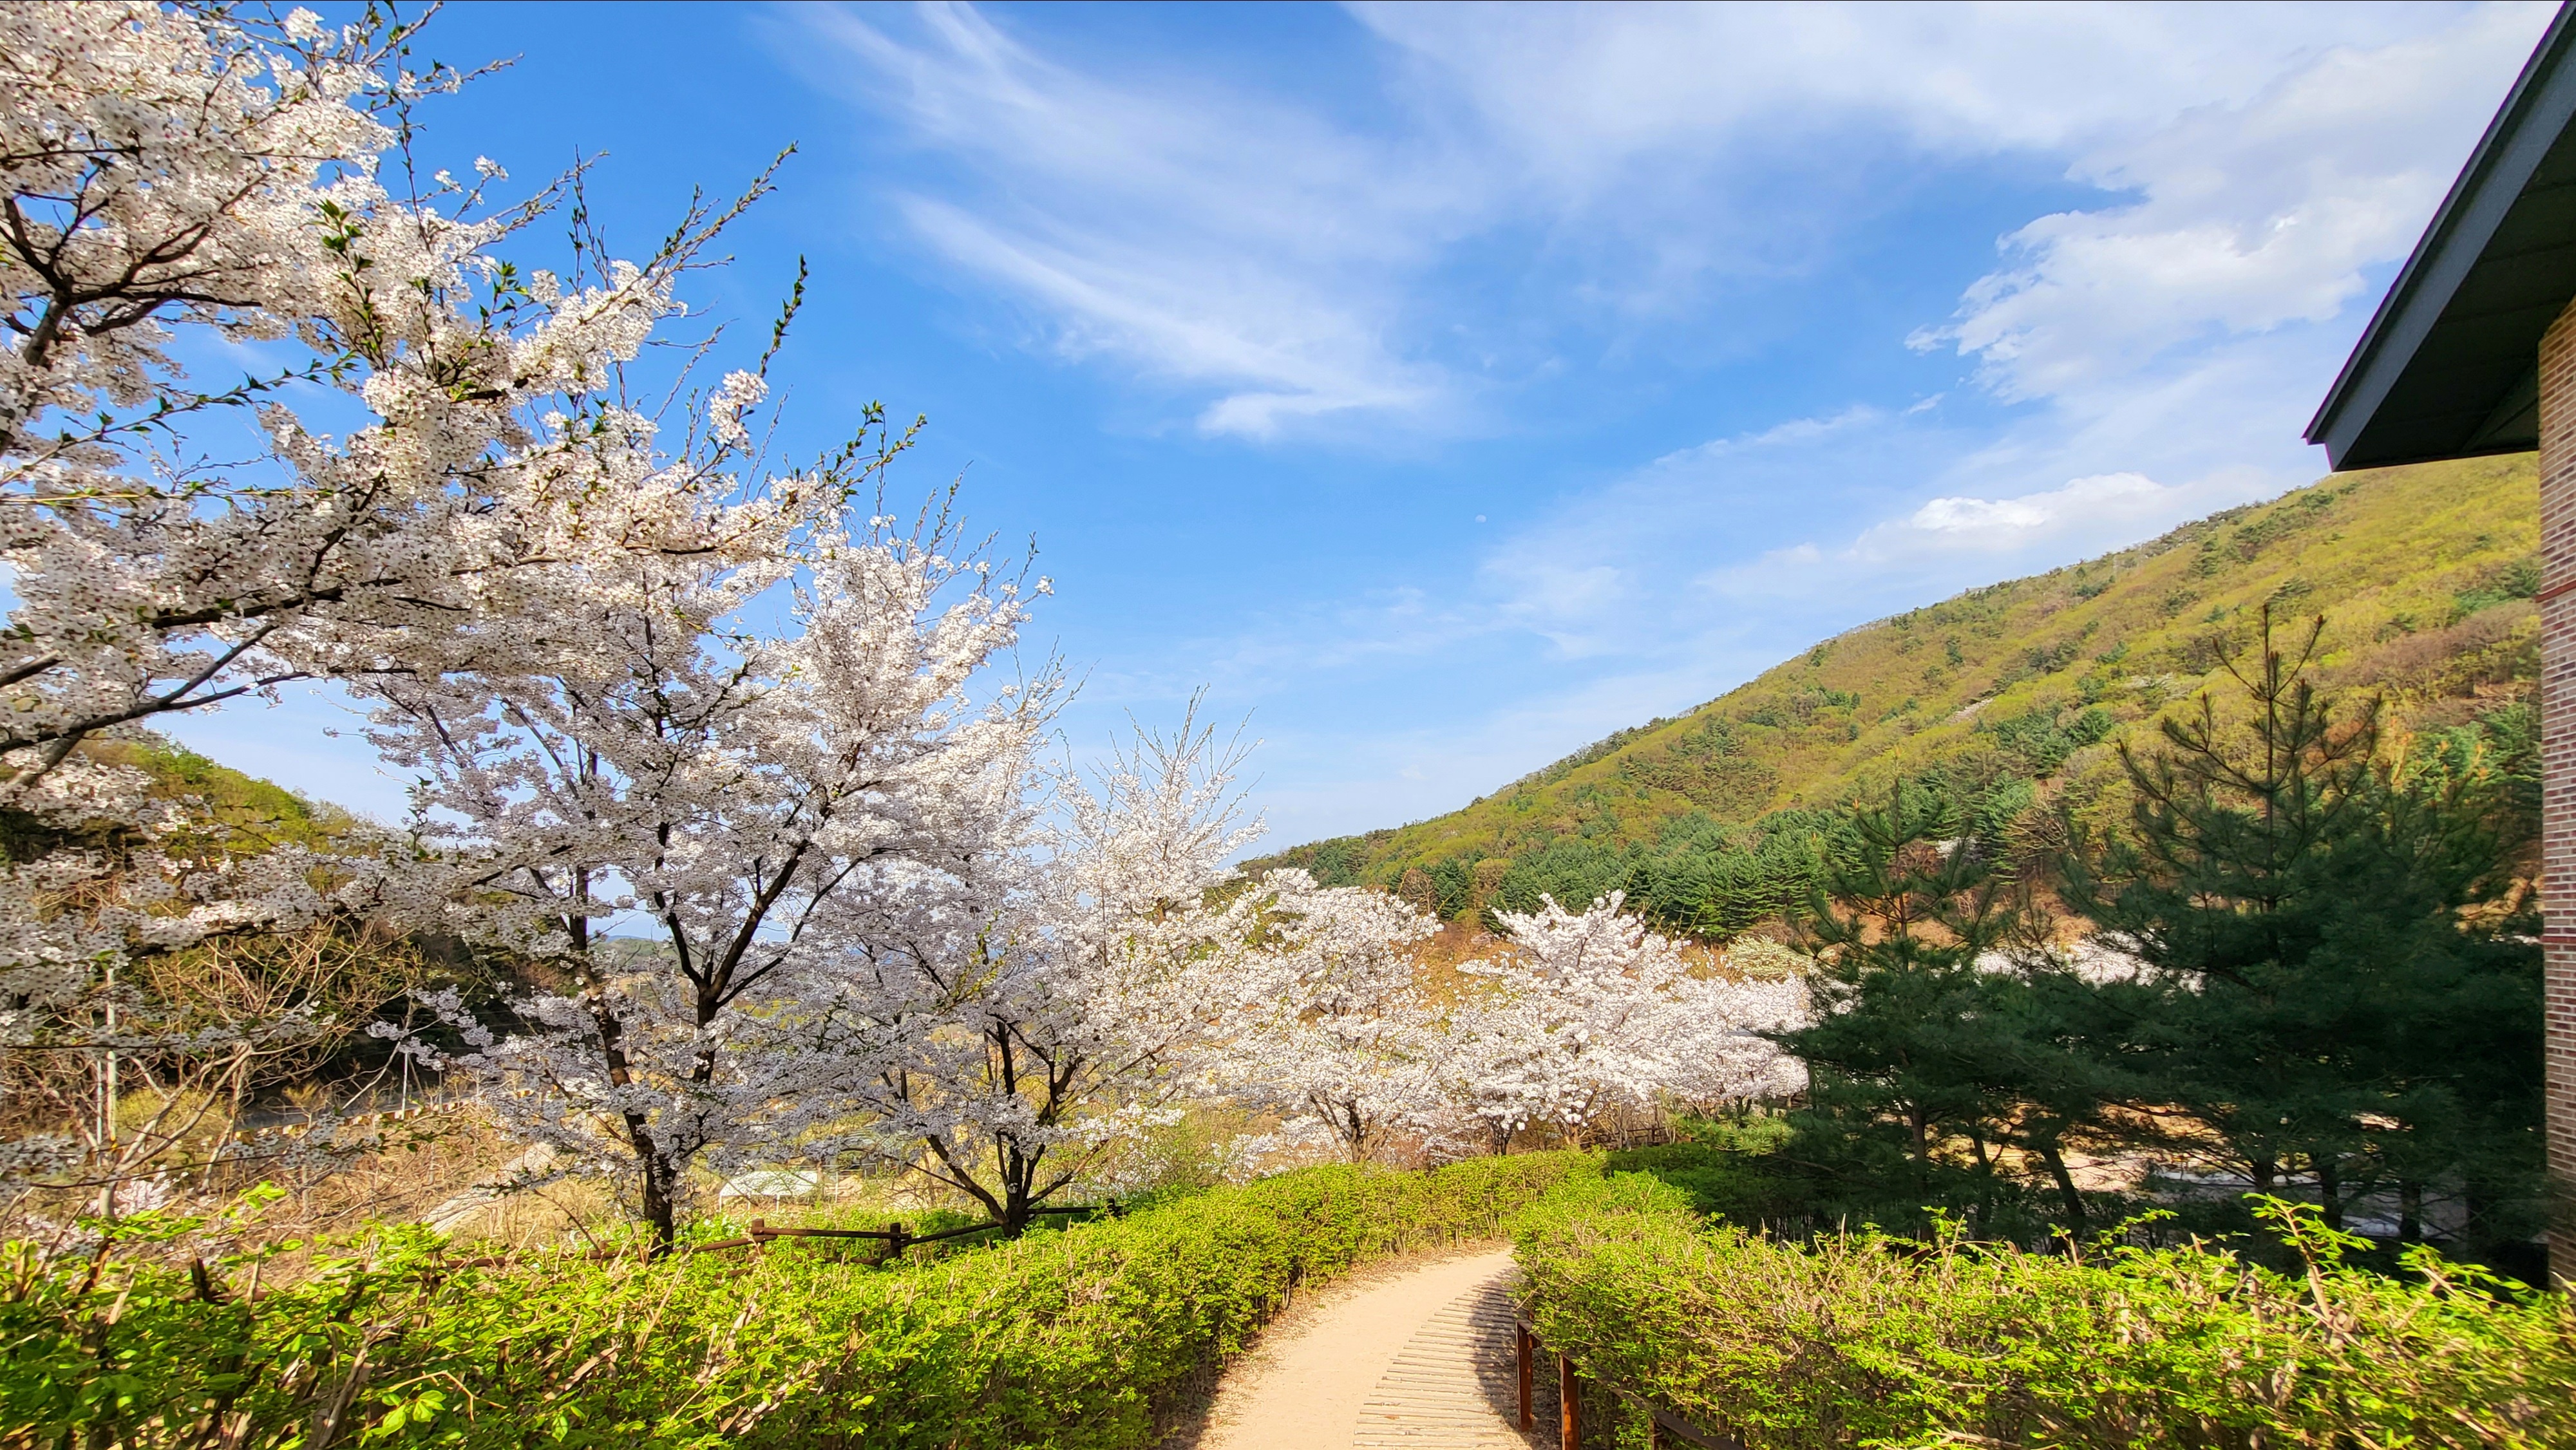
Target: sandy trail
1420 1359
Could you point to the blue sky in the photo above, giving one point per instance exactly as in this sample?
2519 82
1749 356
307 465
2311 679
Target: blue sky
1446 387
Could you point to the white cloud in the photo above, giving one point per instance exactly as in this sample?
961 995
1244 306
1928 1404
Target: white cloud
1195 234
2012 522
1287 259
1673 141
2250 214
1578 87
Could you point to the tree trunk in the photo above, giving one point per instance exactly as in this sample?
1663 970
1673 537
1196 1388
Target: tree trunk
2050 1155
661 1190
1019 1177
2478 1200
2330 1189
2410 1212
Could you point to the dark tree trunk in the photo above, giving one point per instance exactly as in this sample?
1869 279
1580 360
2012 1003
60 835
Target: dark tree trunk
1015 1209
661 1185
2055 1159
661 1191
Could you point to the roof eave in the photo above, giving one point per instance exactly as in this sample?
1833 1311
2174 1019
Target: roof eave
2539 106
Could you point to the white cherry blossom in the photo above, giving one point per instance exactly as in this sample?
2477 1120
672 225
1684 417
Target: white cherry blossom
1593 1011
1326 1023
792 815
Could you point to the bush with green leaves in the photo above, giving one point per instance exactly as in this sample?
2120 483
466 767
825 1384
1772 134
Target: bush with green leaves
1875 1341
1067 1338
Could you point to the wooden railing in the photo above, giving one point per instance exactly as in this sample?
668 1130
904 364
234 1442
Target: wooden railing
1663 1427
894 1235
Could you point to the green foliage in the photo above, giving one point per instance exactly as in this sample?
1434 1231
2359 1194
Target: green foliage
1868 1340
2039 741
1575 873
1697 877
2492 764
2519 579
2344 975
2334 983
1940 1022
1060 1339
1732 1169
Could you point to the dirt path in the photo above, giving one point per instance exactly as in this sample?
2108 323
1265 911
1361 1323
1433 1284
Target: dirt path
1419 1358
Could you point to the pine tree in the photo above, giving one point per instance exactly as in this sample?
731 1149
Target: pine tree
1938 1015
2344 988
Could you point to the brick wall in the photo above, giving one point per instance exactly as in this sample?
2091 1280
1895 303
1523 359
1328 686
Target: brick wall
2558 735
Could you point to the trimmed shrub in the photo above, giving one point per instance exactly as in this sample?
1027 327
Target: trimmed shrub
1061 1339
1870 1340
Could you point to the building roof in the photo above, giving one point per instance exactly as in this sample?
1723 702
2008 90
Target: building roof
2449 366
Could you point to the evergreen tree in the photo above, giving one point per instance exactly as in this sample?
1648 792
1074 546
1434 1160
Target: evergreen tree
2342 984
1951 1054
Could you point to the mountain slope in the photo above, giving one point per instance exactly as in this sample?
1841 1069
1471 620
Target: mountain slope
2006 694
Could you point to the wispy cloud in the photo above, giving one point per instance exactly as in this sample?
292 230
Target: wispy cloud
1195 234
1795 430
2248 215
1581 88
1296 267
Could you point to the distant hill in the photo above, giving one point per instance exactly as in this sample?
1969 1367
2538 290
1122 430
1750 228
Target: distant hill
247 815
2007 696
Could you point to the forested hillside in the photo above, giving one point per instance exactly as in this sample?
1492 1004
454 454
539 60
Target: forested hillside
2011 697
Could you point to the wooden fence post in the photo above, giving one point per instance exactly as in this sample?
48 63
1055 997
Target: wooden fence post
1569 1405
1663 1431
1521 1342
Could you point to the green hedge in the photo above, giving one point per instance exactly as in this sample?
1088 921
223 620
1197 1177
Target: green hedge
1871 1341
1063 1339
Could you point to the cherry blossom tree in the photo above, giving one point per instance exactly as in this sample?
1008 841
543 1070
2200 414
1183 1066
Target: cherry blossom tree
1723 1034
217 182
1054 1010
781 807
1592 1010
1326 1023
207 180
213 182
204 180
